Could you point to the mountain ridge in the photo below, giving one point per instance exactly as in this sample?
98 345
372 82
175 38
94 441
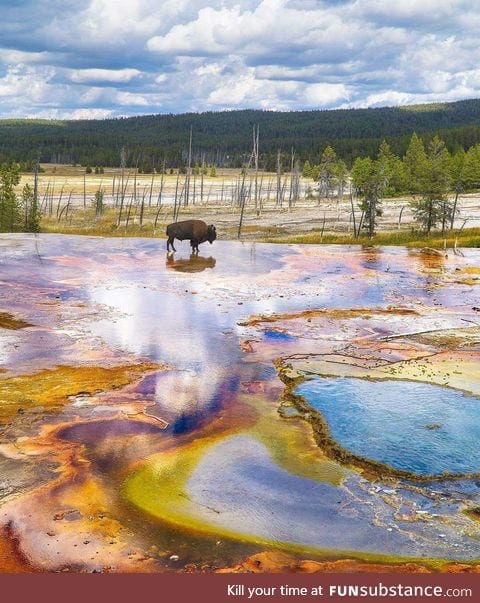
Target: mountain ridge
224 137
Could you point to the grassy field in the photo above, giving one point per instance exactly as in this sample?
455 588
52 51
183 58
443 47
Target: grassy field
72 179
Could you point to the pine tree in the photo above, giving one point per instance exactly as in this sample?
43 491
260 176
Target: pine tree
341 173
307 169
471 168
434 205
457 172
369 183
10 216
391 170
30 209
415 162
326 173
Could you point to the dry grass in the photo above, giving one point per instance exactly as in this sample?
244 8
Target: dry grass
469 237
85 223
72 179
272 224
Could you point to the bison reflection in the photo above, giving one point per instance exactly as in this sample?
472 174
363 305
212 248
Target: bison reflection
195 263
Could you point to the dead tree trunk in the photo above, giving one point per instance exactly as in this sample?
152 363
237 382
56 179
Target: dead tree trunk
256 136
122 200
201 180
189 170
151 192
176 198
278 201
66 208
454 211
353 212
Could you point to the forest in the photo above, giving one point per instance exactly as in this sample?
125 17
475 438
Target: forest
224 138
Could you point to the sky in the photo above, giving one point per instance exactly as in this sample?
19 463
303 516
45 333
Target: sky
108 58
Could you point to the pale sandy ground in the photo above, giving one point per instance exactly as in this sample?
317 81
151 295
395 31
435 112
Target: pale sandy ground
332 216
213 202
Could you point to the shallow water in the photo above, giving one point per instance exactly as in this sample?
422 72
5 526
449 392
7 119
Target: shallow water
416 427
257 497
96 302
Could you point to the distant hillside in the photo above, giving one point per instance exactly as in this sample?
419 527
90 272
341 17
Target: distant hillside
224 138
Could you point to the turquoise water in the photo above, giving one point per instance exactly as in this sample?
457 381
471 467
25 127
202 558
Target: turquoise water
417 427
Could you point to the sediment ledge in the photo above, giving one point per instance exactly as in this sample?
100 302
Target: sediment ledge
276 562
372 469
258 319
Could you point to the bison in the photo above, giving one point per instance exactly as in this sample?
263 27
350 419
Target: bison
196 231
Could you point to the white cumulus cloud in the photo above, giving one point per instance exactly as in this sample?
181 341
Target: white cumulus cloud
121 57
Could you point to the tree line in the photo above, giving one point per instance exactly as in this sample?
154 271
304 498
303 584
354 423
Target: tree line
429 173
17 213
223 138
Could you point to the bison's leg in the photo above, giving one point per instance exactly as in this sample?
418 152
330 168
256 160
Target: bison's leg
170 242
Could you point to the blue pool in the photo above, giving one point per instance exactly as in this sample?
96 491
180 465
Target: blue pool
422 428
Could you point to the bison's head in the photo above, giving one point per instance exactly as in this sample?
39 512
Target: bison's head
211 233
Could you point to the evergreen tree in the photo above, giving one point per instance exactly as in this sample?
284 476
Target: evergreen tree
434 205
415 162
30 209
457 172
471 168
315 172
10 216
341 177
369 183
307 169
326 172
391 170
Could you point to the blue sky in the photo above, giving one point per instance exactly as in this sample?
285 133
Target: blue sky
102 58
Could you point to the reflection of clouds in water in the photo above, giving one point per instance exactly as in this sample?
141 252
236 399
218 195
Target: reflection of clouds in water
8 341
180 392
157 324
264 306
178 329
237 486
180 317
